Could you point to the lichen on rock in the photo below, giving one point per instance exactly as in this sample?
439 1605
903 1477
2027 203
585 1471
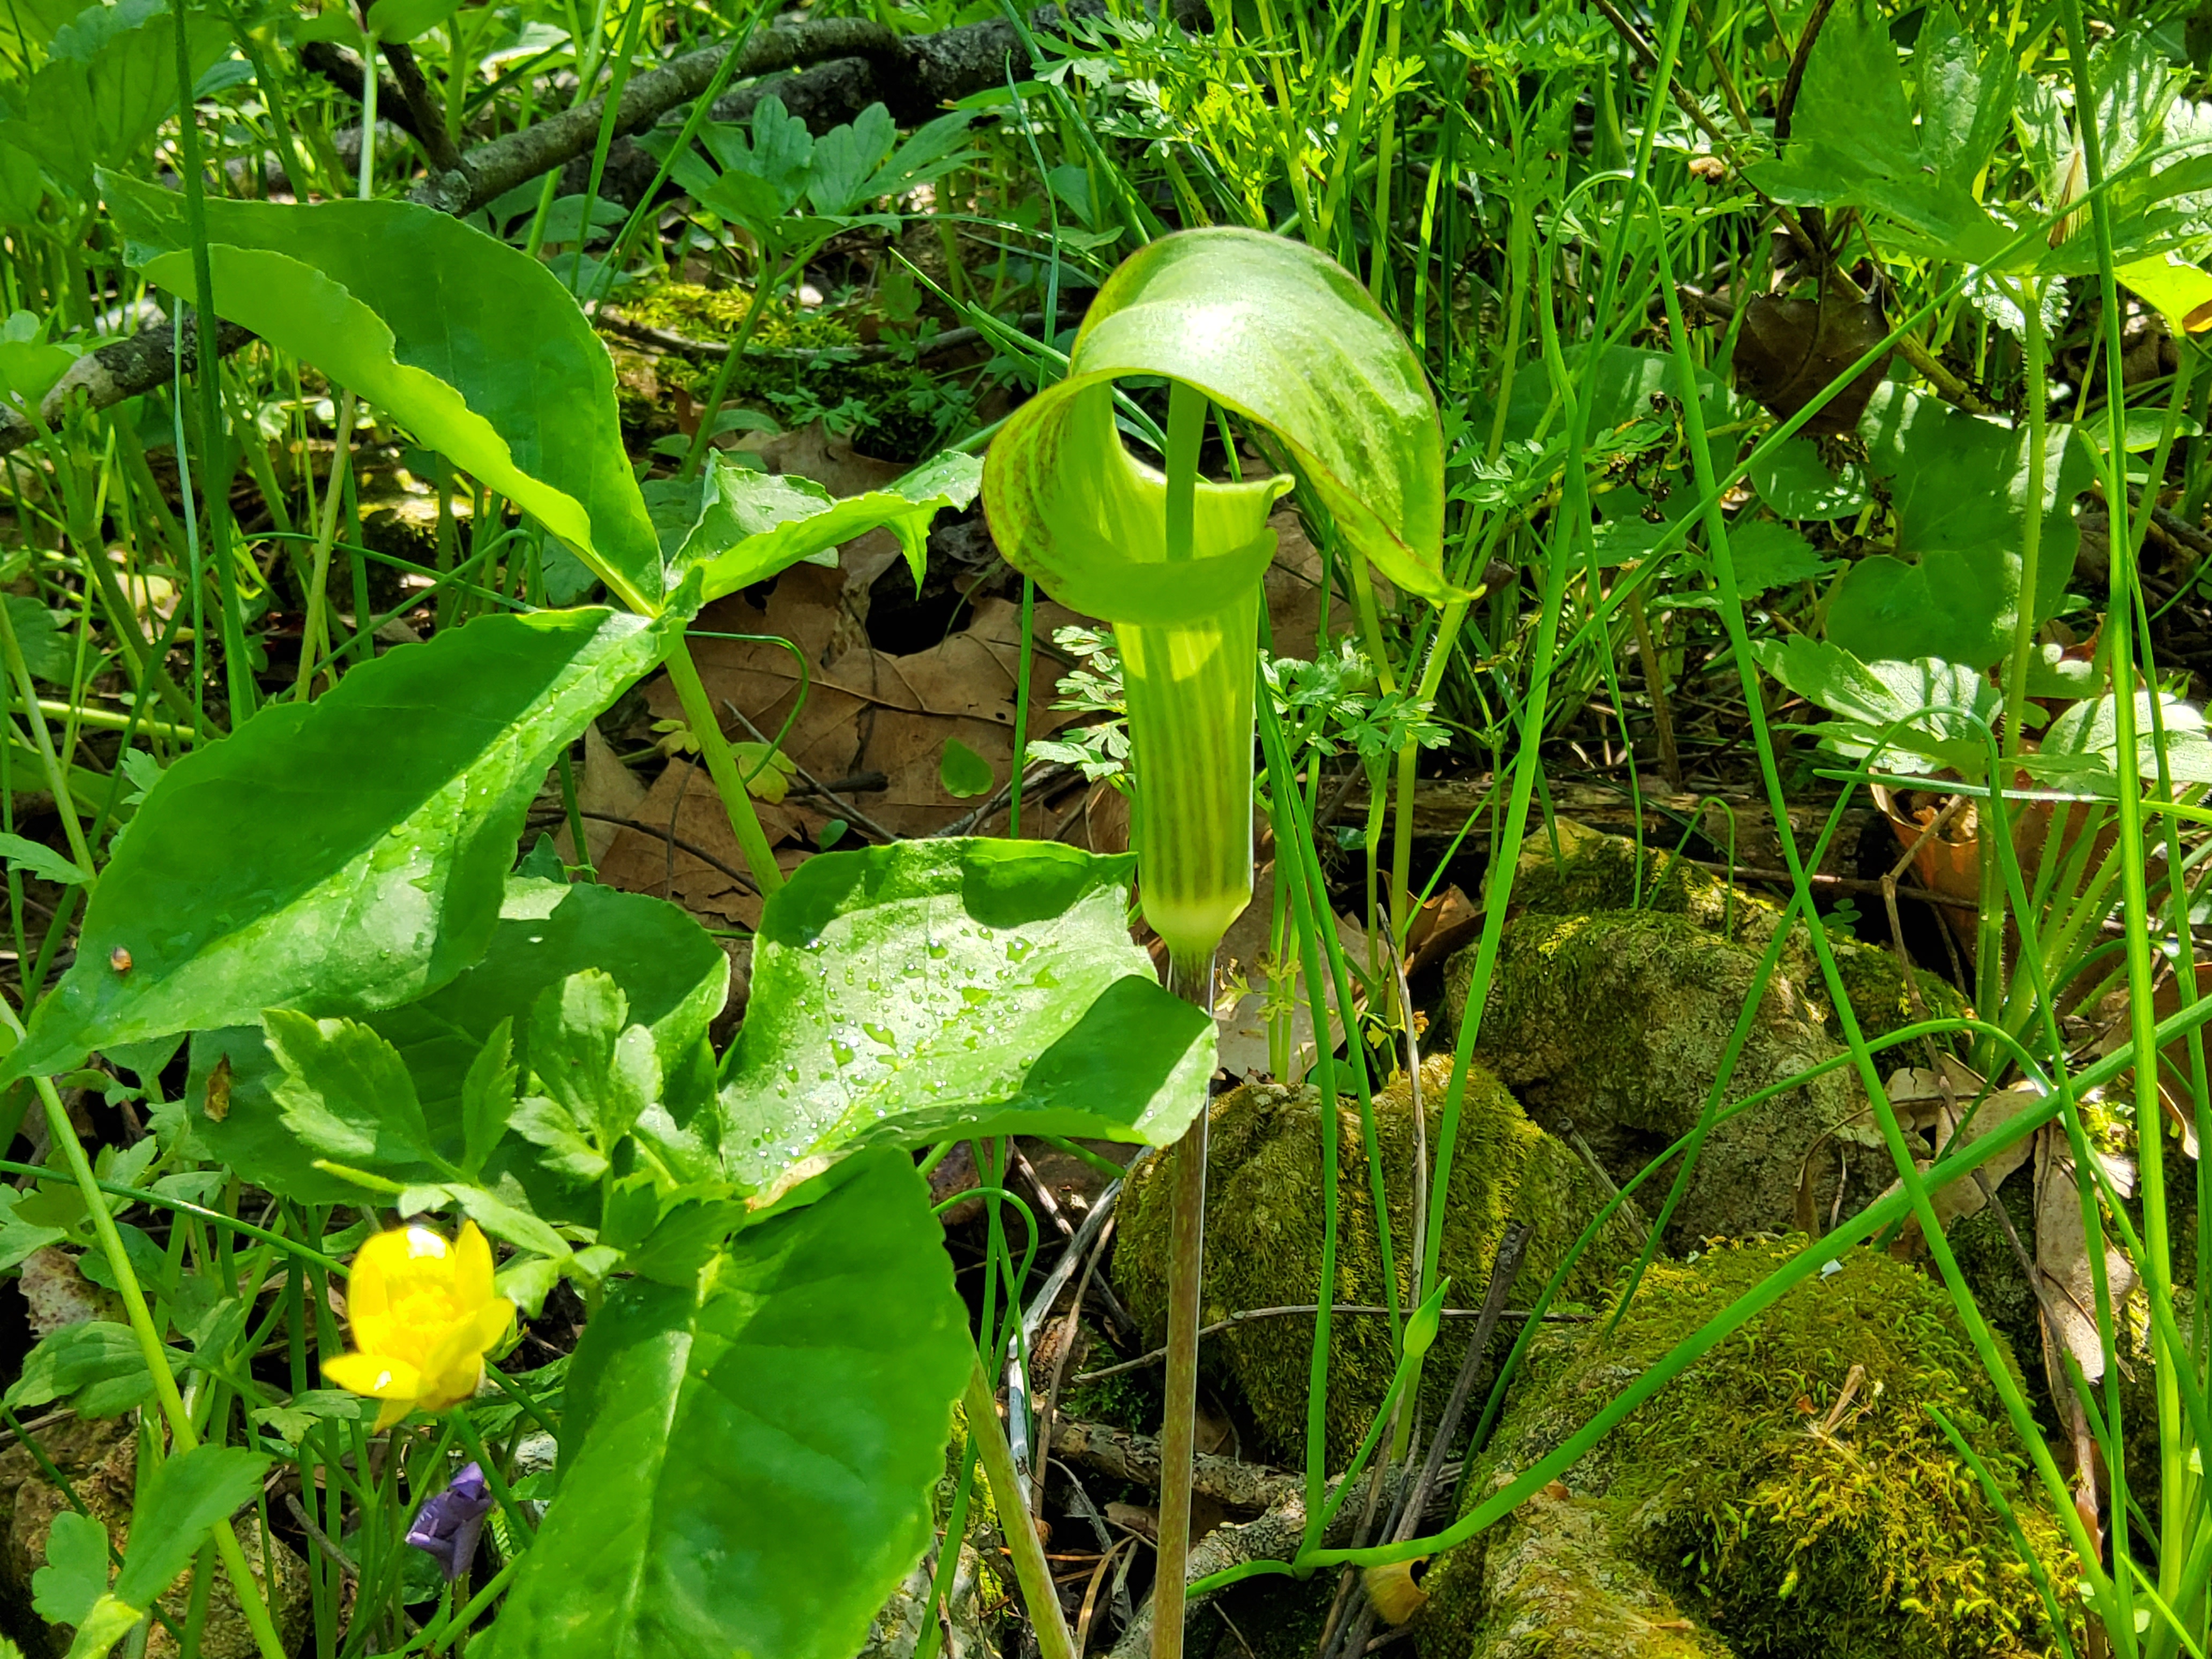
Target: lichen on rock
1798 1512
1264 1233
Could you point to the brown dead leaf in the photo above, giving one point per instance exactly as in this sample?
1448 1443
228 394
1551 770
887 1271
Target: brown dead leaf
2062 1261
1790 348
605 786
1246 983
1939 1101
813 452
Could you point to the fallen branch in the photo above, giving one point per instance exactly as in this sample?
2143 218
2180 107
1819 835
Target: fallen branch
1274 1536
913 78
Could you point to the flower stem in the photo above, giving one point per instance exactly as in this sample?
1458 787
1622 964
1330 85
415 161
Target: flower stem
1186 1263
722 767
1031 1570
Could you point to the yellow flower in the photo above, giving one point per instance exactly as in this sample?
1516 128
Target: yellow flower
424 1315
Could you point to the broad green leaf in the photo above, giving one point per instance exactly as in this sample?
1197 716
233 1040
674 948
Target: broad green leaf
48 653
1770 555
926 990
491 363
673 975
178 1507
1265 327
75 1574
345 1094
29 366
404 20
746 1458
755 523
37 859
1798 484
1921 716
1853 141
109 82
2180 290
1960 486
2089 733
374 877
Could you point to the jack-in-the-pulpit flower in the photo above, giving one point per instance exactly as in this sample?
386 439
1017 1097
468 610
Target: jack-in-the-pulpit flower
449 1522
423 1316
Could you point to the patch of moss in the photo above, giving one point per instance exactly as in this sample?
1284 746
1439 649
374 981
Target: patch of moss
1612 1025
774 376
1551 1581
1573 871
1590 873
1799 1523
1264 1228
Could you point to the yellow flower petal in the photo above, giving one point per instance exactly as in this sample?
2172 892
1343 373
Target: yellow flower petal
468 1340
471 1267
453 1387
381 1376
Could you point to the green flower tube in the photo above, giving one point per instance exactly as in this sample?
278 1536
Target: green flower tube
1279 335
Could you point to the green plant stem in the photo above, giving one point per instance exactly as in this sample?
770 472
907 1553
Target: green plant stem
722 767
311 637
2156 1261
63 1134
1179 1412
1031 1570
771 278
214 461
35 717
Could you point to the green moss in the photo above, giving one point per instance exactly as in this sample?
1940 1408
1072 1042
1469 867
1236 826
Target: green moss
1573 871
1614 1026
1552 1582
1264 1234
1267 1618
892 403
1793 1536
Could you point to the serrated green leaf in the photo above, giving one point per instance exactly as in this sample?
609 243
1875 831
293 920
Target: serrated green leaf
345 1092
1958 483
178 1507
674 974
41 860
929 989
589 1059
369 885
752 1451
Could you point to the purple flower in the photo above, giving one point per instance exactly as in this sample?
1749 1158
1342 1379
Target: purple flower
448 1525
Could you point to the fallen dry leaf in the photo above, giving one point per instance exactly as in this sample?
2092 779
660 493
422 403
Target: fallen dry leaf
606 787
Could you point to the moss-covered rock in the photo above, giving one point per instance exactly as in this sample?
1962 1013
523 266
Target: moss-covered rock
1800 1514
1551 1582
1572 871
1264 1234
1612 1026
